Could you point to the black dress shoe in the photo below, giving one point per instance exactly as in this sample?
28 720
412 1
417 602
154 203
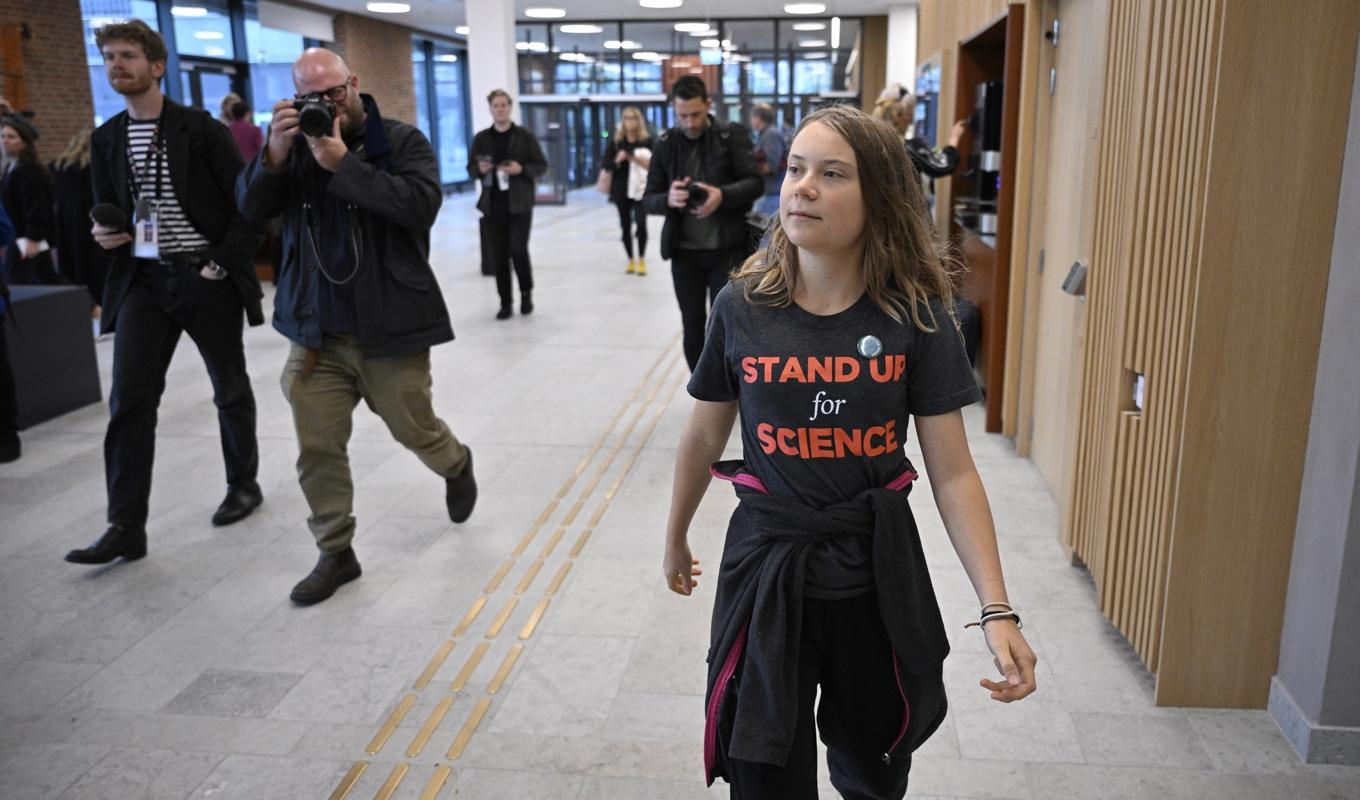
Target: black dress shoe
506 312
238 505
526 304
330 573
10 449
117 542
460 493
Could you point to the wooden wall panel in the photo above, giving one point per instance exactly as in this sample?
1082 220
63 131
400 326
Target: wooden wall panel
1198 206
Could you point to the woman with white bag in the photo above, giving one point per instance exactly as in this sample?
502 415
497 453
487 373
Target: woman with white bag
623 177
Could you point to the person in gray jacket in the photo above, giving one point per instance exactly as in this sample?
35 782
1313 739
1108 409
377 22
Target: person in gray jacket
356 296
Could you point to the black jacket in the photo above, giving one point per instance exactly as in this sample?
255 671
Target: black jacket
929 162
27 194
393 195
525 149
730 166
204 163
758 603
618 184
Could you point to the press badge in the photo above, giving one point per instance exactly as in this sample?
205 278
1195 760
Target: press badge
146 230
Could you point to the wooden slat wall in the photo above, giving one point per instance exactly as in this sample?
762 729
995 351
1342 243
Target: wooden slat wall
1200 207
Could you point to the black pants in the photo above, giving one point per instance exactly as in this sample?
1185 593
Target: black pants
162 303
9 399
510 243
696 273
845 650
38 270
631 211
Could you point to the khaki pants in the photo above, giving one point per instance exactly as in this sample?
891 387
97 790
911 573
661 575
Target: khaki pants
396 389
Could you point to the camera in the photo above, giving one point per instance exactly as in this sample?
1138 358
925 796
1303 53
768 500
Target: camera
315 117
698 195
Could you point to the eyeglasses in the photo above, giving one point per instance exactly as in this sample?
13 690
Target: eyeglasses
335 94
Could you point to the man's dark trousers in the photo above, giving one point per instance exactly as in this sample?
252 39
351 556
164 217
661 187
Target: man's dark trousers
698 276
164 301
510 244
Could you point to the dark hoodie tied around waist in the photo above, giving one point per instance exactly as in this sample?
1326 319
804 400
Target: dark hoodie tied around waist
758 607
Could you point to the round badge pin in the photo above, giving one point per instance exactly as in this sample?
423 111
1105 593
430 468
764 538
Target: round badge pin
869 347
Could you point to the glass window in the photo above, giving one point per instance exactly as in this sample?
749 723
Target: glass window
203 28
451 99
271 53
422 88
95 15
537 69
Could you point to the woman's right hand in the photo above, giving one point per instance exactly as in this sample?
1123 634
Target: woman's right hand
680 569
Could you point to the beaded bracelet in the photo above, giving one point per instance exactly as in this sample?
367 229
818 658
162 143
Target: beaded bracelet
989 616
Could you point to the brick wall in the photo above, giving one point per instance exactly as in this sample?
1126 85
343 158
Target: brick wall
56 83
380 54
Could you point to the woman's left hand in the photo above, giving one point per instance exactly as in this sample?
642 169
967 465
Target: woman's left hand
621 157
1014 659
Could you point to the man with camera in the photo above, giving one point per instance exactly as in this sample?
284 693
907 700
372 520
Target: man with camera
356 295
703 178
164 174
507 159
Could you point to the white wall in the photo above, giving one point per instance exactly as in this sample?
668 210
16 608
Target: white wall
491 57
902 45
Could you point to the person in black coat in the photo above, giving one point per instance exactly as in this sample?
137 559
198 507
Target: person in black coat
9 404
79 259
26 192
507 159
621 157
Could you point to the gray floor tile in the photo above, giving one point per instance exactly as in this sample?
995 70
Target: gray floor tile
128 774
233 693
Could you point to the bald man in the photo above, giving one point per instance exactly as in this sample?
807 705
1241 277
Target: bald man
356 295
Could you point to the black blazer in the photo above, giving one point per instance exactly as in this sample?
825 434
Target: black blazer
27 196
204 163
525 149
729 165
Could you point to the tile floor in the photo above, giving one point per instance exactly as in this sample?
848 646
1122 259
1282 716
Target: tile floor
189 675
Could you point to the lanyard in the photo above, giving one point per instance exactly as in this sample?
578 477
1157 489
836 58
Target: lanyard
147 175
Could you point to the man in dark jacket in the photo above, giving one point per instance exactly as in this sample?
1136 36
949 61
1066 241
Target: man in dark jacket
507 159
703 177
170 170
356 296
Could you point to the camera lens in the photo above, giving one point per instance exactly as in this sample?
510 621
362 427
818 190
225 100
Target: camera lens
316 118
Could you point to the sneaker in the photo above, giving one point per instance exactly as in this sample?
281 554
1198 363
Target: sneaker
460 492
332 571
642 266
632 267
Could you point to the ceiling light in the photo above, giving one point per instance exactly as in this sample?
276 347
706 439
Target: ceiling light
521 45
626 44
462 30
809 26
661 3
214 51
208 35
691 27
581 29
448 58
189 11
835 33
814 55
545 13
727 43
812 43
710 43
388 8
805 8
704 34
538 47
740 57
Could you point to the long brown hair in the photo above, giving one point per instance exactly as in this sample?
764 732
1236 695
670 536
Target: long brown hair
77 153
906 264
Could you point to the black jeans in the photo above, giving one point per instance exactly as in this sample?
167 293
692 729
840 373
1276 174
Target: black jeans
696 273
510 243
162 303
845 650
631 211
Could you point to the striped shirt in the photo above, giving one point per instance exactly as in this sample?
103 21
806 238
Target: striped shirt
149 175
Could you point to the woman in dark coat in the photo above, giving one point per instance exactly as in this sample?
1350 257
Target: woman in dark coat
79 259
26 192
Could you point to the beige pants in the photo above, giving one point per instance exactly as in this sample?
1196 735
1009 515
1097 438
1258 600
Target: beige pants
396 389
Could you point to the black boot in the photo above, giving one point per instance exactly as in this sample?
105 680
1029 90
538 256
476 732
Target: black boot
460 492
506 312
330 573
10 449
526 304
238 505
117 542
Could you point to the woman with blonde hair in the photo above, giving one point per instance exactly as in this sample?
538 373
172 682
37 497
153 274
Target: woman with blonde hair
79 259
625 160
823 581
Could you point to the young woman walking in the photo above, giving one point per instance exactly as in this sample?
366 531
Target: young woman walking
627 154
826 343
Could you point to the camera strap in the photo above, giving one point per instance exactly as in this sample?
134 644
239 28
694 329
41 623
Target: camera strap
313 229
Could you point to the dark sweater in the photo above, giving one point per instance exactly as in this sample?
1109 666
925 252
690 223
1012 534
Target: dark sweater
770 540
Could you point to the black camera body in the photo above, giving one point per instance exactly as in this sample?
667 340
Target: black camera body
698 195
315 117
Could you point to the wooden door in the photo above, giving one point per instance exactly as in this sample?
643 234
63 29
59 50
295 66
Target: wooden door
1074 149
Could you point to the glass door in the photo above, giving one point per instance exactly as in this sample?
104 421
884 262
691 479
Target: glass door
205 84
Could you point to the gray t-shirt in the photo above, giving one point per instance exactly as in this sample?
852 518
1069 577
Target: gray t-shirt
820 422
